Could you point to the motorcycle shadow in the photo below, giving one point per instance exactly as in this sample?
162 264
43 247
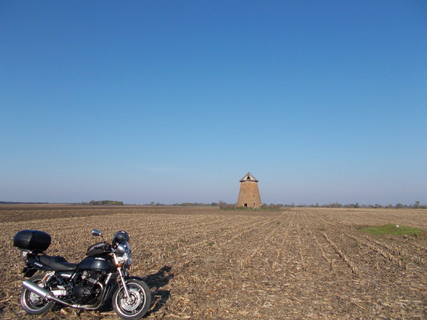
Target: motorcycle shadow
156 281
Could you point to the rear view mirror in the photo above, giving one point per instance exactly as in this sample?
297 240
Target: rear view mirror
96 233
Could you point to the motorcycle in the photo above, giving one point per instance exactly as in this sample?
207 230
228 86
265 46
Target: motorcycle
102 275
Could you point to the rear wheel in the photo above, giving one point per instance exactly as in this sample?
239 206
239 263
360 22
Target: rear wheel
33 303
136 305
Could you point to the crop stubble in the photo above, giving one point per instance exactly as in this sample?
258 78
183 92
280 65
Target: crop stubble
205 263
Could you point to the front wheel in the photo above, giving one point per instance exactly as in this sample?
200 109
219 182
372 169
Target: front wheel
136 306
33 303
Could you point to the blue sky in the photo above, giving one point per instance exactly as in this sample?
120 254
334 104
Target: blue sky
175 101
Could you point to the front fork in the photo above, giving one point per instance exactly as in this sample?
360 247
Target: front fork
122 279
122 274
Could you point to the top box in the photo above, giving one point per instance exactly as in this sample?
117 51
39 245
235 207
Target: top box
32 240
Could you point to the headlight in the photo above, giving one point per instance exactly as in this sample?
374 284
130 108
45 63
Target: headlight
121 249
124 254
127 258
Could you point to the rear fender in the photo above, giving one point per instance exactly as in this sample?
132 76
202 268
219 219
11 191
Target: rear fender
33 264
29 271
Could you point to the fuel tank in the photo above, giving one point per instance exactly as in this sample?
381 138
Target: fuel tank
97 263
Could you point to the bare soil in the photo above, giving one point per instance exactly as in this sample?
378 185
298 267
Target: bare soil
207 263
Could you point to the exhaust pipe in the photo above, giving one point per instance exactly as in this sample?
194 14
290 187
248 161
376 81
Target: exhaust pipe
42 292
48 295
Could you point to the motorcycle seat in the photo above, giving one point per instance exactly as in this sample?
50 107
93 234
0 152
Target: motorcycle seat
58 263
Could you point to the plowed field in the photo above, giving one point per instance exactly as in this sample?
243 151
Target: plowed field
204 263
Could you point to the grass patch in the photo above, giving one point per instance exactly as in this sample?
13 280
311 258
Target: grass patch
393 229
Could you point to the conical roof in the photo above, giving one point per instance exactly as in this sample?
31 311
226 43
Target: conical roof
249 177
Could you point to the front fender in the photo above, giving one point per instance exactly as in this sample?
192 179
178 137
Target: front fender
135 278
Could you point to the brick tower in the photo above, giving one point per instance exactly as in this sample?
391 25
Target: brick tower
249 194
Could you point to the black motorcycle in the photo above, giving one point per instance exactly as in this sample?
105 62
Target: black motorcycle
87 285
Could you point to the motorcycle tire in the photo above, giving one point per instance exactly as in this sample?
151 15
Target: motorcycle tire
33 303
137 305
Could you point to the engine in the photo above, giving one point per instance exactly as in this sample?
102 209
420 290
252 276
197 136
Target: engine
87 286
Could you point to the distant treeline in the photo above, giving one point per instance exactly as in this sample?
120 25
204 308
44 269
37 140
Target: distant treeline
182 204
416 205
105 203
15 202
225 205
